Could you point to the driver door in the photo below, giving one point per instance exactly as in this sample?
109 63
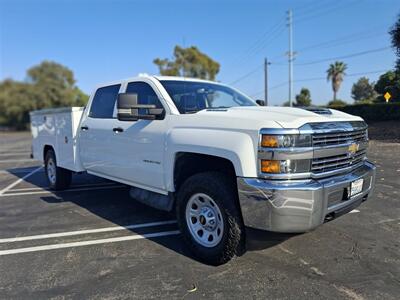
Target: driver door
138 146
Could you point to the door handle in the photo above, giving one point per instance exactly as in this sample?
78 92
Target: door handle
84 128
118 129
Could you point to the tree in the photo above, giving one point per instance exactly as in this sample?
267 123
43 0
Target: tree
336 73
304 98
188 62
395 35
336 102
363 91
16 100
388 82
48 85
56 84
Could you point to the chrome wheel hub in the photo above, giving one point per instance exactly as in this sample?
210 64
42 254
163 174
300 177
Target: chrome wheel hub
207 218
204 220
51 171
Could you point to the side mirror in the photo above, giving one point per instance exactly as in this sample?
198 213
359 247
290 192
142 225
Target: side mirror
260 102
129 110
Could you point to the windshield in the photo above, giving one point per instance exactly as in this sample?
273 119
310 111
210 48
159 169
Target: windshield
191 96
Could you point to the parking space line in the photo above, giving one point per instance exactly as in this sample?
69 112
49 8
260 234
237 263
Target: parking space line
17 171
14 151
14 154
18 181
63 191
90 242
85 231
14 172
17 160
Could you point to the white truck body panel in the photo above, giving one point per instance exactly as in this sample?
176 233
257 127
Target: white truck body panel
150 147
143 153
57 128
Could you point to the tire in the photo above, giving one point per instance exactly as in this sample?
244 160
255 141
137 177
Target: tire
57 178
220 198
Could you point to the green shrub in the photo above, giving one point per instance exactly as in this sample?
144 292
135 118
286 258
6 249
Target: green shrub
373 112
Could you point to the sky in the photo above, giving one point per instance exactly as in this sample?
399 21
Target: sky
106 40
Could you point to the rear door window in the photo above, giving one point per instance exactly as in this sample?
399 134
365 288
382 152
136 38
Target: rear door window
104 101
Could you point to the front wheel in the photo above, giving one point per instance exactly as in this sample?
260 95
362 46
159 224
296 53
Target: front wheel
58 178
209 217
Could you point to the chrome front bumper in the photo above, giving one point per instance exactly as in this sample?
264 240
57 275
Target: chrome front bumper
300 205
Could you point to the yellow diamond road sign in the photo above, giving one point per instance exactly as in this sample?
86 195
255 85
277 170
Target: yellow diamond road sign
387 96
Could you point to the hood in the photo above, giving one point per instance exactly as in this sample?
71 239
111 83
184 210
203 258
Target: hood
286 117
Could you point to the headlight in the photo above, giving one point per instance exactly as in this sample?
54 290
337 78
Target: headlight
285 141
285 166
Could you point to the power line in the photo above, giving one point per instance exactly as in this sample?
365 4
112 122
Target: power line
258 68
268 41
279 85
342 40
260 43
352 38
344 56
317 78
327 11
347 75
303 8
254 71
265 35
283 62
316 8
315 62
271 88
261 46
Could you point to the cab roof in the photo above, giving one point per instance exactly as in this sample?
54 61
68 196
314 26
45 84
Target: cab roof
157 77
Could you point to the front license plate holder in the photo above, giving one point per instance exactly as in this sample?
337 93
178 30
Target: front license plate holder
356 187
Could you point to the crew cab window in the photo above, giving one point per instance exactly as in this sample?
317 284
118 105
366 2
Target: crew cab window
146 94
104 101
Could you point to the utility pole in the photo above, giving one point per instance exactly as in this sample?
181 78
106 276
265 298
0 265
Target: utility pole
266 63
290 55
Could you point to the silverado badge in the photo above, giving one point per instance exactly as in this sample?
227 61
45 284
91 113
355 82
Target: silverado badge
353 148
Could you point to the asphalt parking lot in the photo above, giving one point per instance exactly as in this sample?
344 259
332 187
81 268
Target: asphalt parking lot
92 241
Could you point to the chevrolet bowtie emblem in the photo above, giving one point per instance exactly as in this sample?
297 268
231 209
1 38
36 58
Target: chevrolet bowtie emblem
353 148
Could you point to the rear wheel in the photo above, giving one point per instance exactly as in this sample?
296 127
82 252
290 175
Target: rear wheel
58 178
209 217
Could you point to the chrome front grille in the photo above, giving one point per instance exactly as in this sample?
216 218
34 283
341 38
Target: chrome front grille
333 148
331 163
338 138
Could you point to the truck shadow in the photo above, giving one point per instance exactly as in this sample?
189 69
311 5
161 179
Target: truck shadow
118 208
114 205
121 210
257 239
38 179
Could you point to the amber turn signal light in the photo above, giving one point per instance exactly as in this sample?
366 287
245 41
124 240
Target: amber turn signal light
269 141
270 166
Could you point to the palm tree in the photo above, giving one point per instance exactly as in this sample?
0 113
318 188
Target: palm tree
336 74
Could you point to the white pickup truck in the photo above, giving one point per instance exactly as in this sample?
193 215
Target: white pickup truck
220 159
